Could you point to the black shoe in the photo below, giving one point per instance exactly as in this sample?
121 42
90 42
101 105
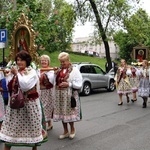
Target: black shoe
133 100
120 103
144 105
128 99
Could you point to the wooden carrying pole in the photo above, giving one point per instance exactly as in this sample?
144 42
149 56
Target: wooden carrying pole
49 69
42 69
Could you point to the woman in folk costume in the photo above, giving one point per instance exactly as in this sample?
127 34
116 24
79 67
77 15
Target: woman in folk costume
122 81
2 110
23 127
134 81
68 82
144 84
47 89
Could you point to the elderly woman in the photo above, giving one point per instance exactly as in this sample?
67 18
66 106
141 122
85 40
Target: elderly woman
144 84
46 76
68 82
23 126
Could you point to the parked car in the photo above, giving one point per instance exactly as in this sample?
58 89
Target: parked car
94 77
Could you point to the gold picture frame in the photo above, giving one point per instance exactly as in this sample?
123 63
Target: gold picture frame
23 38
140 53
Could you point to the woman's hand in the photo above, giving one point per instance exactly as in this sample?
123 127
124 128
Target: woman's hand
14 71
64 85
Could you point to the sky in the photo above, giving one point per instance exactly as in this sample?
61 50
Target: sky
86 30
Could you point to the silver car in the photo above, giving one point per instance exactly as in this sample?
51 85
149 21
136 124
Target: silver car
94 77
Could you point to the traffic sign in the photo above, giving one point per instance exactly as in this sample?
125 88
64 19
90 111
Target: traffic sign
2 45
3 35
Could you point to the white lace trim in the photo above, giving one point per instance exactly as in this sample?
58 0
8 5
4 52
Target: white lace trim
20 140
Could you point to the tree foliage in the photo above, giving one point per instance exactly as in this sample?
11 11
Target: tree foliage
125 43
138 27
107 15
112 13
53 21
137 33
63 20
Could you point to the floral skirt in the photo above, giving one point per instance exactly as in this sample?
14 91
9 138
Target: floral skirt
144 87
134 82
124 87
23 125
62 106
47 99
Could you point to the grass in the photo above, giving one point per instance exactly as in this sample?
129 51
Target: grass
73 57
77 58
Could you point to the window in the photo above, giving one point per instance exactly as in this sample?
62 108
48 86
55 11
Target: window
92 70
83 69
98 70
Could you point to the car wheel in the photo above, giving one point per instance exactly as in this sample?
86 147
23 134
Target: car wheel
111 86
86 89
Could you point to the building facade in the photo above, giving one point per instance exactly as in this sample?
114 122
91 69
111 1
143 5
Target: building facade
89 46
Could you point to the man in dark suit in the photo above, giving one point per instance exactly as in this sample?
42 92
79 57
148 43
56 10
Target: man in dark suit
114 66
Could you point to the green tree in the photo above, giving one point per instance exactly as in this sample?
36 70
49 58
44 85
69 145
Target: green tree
54 31
62 22
125 43
138 27
108 17
137 31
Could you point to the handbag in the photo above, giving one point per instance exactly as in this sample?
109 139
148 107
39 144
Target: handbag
17 99
73 101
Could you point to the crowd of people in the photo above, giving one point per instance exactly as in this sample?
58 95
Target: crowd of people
133 80
47 97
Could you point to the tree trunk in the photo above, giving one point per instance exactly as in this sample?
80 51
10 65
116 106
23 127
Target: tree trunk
102 33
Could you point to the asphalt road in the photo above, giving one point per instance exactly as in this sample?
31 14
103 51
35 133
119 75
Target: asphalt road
105 126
